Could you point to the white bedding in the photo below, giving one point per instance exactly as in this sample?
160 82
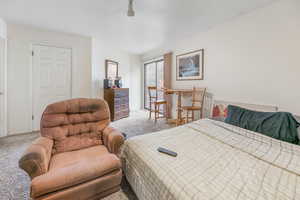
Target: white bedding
215 161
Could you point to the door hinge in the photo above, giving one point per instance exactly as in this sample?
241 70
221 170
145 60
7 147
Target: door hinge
32 53
32 117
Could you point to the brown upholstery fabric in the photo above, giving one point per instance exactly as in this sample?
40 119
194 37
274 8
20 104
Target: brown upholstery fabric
65 159
112 139
86 169
75 157
75 124
35 160
94 189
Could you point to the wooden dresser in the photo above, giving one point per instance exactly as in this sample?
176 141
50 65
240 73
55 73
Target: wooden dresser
118 101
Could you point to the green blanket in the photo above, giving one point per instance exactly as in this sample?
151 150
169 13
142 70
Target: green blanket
279 125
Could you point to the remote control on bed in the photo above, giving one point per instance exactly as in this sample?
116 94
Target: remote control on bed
166 151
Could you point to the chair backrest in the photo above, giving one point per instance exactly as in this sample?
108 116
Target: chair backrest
75 124
152 91
198 96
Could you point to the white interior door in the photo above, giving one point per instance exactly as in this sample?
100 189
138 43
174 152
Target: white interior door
52 69
2 87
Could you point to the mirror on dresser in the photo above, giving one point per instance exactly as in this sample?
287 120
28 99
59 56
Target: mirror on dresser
116 96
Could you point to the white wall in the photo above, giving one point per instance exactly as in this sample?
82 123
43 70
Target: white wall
20 39
136 83
3 29
129 69
3 81
253 58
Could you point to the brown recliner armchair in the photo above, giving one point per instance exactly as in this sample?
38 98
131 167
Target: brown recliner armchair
76 155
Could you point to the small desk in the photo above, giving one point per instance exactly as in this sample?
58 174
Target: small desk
179 93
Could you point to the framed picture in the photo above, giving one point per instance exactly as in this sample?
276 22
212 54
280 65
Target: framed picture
111 69
189 66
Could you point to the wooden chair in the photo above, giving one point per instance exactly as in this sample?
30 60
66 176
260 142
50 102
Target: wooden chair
153 100
197 104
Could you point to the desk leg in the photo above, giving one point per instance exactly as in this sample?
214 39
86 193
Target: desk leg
178 122
169 108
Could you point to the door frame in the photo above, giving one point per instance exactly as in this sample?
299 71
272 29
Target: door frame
145 90
31 78
5 121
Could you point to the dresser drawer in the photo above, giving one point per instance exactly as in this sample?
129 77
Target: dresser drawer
121 114
124 106
124 100
121 93
117 108
125 112
118 101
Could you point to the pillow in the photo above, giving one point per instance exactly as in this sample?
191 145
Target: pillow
219 112
279 125
298 119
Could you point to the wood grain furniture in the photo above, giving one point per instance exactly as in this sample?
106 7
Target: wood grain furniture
179 93
168 58
118 102
155 102
76 156
197 104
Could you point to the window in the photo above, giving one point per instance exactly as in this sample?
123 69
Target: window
153 76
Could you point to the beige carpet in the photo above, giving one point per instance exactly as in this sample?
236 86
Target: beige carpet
15 184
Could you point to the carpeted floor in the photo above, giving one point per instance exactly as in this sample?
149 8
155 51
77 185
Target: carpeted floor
15 184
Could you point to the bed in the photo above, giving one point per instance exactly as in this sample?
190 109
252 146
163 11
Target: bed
215 161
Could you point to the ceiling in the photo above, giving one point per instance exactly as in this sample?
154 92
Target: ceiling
157 22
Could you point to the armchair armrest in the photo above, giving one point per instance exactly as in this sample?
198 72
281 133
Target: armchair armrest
35 160
112 139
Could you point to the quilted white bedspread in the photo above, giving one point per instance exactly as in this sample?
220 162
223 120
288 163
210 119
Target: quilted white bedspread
215 161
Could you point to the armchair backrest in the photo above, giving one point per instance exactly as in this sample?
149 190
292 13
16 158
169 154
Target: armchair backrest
75 124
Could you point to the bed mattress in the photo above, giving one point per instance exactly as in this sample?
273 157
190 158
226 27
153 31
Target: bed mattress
215 161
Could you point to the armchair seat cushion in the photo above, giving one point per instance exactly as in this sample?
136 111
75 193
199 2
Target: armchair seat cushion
65 159
73 168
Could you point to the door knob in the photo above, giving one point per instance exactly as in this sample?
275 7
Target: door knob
1 93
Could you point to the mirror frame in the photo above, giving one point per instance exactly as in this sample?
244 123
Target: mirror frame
106 68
